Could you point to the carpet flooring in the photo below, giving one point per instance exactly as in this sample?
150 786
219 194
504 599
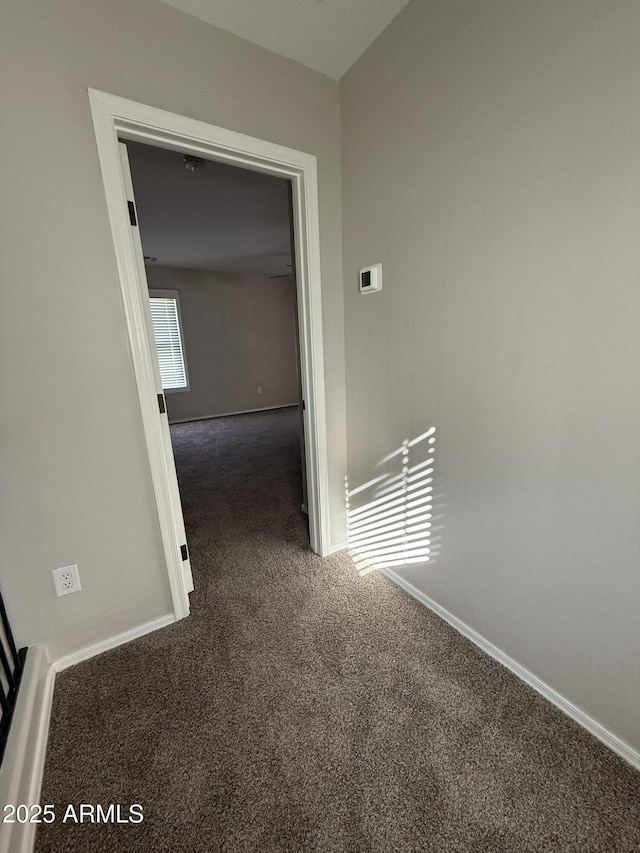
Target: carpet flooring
304 708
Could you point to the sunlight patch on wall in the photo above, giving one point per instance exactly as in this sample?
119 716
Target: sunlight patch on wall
389 517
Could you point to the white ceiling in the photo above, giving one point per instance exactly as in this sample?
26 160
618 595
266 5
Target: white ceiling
326 35
218 218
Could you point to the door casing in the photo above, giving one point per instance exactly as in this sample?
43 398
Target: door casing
115 119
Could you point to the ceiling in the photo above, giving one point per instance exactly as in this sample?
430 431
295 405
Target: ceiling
218 218
326 35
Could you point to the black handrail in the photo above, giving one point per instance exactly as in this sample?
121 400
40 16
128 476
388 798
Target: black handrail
12 662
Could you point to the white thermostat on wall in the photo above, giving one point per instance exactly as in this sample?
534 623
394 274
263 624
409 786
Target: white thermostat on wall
371 279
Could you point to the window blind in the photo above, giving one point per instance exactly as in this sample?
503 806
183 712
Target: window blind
166 331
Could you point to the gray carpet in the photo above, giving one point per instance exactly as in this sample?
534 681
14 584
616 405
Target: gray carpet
303 708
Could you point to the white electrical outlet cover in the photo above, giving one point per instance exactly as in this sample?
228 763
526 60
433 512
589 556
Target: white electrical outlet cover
66 580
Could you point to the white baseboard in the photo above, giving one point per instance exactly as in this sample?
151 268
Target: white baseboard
228 414
339 546
23 764
112 642
624 750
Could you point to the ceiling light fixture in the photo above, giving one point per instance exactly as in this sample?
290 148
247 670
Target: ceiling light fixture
193 164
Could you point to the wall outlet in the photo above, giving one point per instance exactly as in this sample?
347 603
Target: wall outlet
66 580
259 389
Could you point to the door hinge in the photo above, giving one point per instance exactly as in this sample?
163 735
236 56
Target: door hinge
304 406
184 552
132 213
161 404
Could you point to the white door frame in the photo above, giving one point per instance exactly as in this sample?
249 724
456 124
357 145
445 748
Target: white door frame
115 119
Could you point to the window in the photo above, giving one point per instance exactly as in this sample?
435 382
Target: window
167 331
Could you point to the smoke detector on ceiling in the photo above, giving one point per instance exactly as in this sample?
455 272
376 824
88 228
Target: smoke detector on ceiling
193 164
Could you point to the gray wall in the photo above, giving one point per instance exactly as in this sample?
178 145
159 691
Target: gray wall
490 162
239 333
76 485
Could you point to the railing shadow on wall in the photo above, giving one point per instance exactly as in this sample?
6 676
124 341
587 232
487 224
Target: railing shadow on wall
390 518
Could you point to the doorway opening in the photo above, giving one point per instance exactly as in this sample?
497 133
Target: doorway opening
218 248
118 119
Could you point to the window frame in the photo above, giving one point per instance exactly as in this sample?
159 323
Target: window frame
157 293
